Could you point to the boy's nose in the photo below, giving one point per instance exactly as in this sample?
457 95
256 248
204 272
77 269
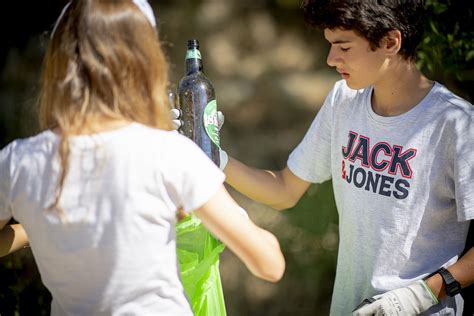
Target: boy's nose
333 59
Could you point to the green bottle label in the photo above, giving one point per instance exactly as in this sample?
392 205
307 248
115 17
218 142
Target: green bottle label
210 122
193 54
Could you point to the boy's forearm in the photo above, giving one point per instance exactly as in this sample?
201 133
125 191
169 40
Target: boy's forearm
259 185
264 186
12 238
462 271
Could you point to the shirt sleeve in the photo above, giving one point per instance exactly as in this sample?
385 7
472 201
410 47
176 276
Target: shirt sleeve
464 168
311 159
5 182
192 178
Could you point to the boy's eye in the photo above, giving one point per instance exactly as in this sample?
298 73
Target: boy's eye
345 49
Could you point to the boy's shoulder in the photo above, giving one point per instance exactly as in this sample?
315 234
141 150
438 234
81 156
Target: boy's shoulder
451 102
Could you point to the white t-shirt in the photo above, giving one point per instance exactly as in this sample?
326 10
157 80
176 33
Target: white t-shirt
403 187
115 252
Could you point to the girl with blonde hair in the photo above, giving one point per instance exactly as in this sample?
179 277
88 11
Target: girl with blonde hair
97 191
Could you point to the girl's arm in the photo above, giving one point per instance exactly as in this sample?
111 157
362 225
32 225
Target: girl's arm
12 238
256 247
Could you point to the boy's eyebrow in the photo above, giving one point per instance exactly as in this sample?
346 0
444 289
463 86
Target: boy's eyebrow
340 42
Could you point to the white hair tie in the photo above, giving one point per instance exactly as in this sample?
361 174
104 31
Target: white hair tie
146 9
59 19
143 5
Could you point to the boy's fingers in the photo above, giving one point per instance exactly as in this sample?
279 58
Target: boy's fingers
175 114
220 119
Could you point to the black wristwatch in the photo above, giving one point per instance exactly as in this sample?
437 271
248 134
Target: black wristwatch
453 287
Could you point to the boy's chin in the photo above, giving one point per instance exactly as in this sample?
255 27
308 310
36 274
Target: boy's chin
355 86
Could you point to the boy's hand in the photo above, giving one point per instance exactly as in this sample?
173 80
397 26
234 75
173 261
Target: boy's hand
177 122
176 116
411 300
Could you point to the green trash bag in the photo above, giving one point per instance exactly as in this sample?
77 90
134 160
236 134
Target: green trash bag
198 255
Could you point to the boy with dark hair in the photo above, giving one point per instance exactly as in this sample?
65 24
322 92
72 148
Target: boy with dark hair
399 150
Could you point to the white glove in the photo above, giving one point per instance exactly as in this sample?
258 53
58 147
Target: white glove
223 158
177 123
176 118
411 300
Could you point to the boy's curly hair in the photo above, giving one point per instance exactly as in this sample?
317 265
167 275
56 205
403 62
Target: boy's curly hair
371 19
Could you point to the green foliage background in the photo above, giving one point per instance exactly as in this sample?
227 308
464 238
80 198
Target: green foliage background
447 51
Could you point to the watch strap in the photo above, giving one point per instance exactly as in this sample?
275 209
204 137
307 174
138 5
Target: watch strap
452 285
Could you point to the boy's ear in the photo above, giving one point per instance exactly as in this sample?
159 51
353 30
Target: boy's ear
392 42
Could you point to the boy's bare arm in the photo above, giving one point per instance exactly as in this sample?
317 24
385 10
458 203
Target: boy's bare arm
278 189
420 295
12 238
462 271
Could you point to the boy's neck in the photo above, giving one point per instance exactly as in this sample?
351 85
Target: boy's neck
404 87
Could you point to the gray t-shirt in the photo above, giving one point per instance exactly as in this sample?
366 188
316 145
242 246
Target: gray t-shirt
403 187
